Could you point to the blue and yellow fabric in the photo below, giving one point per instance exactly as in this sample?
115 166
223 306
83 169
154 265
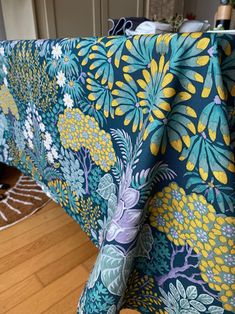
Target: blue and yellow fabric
134 138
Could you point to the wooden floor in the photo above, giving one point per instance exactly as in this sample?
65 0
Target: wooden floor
44 262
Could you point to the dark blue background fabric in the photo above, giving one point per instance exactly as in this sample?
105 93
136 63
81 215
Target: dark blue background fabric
134 138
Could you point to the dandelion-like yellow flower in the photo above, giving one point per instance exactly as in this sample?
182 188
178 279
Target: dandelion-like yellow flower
7 102
166 213
59 188
77 129
191 219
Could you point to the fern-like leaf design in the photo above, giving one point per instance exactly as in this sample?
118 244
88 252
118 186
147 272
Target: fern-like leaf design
137 149
124 142
144 180
118 169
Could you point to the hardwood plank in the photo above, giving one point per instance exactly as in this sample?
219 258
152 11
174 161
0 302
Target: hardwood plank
45 261
66 263
89 263
68 304
52 293
34 235
19 292
44 242
49 212
30 266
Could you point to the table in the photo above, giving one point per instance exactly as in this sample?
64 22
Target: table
134 138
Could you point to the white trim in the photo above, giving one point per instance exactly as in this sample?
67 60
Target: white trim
45 15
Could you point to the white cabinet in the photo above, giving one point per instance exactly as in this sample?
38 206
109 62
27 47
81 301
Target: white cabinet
77 17
71 18
65 18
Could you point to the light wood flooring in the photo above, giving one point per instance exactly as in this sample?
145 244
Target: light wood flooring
45 261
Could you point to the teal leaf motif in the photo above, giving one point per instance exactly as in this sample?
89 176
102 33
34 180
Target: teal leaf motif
184 304
144 242
174 291
112 205
106 186
95 272
112 310
180 288
191 292
205 299
115 267
145 180
198 306
124 142
215 310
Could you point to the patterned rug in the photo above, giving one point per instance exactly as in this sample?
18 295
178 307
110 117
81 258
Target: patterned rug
21 200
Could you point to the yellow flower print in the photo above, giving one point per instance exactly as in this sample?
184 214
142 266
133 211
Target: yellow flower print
127 103
191 219
7 102
199 238
169 117
89 214
166 213
210 275
140 293
174 234
77 130
60 191
224 228
155 87
219 280
163 39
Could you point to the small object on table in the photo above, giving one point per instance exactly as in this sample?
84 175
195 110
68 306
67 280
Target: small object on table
150 28
191 26
173 25
124 24
223 15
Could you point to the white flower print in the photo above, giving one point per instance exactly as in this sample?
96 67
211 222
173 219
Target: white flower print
4 69
54 152
50 157
30 120
48 140
42 127
30 134
30 143
5 153
25 133
47 145
56 51
27 125
1 51
39 118
61 79
5 81
28 110
68 101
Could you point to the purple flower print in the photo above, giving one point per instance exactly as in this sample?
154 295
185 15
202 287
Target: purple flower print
123 227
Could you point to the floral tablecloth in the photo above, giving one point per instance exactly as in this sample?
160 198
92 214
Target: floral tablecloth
134 137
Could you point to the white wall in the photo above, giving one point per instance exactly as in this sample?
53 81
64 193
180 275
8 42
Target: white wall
19 19
2 28
203 9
